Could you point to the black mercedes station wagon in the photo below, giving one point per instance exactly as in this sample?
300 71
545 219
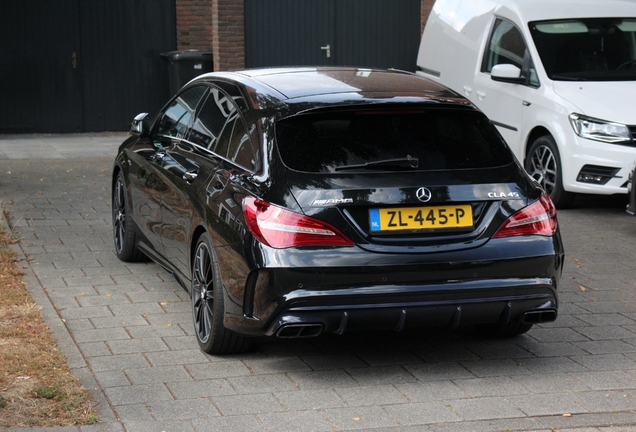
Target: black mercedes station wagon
297 202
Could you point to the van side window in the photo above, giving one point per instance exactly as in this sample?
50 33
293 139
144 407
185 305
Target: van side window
506 46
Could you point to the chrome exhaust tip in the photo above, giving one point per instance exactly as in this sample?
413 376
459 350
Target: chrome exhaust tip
294 331
540 316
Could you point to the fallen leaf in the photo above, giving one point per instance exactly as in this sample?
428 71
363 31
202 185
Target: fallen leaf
582 288
567 415
356 419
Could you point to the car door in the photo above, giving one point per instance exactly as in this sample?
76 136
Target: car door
189 163
237 152
170 127
504 102
147 172
146 189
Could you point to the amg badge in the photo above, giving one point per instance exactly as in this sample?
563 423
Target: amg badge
332 201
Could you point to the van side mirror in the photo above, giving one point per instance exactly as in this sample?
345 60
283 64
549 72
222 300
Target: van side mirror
140 125
507 73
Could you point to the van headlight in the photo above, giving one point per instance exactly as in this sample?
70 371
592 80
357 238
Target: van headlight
599 130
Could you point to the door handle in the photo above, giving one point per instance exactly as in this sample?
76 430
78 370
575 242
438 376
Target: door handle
158 156
327 48
73 58
468 89
190 175
481 94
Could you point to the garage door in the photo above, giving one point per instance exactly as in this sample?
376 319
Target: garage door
368 33
80 66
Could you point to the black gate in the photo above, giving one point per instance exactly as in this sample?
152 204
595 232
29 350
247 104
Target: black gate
80 66
366 33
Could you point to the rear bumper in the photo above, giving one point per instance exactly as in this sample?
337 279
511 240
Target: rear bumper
459 304
335 308
363 291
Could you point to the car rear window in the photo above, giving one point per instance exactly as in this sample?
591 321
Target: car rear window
343 141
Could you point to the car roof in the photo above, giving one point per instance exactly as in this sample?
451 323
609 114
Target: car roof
539 10
321 86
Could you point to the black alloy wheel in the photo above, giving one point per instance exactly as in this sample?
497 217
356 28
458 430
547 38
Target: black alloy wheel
543 163
208 307
124 230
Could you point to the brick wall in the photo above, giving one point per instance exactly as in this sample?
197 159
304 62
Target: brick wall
194 24
218 25
228 35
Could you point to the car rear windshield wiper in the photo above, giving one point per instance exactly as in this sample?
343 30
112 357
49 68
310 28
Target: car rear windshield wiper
405 162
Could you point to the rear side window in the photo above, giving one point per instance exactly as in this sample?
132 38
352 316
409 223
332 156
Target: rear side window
438 139
215 112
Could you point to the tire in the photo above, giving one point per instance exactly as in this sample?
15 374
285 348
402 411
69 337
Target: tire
511 329
543 163
124 229
208 305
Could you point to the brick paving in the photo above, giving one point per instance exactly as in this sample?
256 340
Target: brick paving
127 333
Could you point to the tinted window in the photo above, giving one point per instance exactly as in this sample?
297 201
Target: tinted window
175 120
215 112
240 148
223 143
234 93
438 138
595 49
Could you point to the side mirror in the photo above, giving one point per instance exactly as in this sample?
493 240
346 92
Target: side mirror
140 125
507 73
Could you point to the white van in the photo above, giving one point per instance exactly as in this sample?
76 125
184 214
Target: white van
557 78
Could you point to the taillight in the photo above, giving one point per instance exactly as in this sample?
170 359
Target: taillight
280 228
539 218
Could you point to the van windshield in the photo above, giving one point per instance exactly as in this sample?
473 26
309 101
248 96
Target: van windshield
390 140
590 49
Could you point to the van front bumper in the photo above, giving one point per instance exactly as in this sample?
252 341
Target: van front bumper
596 167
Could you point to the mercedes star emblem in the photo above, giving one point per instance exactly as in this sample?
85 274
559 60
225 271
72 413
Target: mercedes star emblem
423 194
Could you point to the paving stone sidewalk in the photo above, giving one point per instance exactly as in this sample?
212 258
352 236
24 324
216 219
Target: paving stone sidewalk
126 330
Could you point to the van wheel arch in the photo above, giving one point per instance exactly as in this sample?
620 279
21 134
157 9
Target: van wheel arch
537 132
543 163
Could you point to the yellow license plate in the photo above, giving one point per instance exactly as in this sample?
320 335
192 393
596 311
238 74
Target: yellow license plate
421 218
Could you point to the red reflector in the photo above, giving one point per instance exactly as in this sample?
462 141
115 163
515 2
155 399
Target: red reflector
280 228
539 218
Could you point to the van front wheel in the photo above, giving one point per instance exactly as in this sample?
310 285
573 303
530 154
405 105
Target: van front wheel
543 163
